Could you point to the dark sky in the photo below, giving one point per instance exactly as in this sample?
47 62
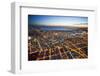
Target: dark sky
56 20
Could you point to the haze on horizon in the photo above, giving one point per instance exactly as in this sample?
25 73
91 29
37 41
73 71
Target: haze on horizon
48 20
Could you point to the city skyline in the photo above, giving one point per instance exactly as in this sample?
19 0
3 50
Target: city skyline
57 37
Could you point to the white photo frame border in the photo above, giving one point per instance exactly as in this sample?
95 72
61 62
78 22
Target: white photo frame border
17 60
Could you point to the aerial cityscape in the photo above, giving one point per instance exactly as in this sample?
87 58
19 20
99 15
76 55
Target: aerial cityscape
57 37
